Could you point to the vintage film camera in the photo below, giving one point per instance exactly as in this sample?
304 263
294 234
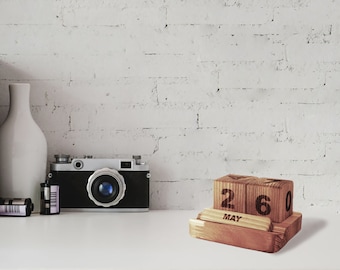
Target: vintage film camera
101 184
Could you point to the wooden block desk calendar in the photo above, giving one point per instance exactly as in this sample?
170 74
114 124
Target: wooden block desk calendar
249 212
257 196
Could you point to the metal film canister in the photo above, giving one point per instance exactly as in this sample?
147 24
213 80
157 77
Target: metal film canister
17 207
49 199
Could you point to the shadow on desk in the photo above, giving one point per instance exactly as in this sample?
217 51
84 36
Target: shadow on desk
310 227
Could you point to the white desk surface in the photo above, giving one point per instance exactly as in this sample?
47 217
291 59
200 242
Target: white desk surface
153 240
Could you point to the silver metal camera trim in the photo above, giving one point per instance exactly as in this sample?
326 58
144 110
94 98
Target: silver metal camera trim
113 173
98 163
105 210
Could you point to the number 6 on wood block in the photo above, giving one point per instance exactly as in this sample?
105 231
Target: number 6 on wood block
271 198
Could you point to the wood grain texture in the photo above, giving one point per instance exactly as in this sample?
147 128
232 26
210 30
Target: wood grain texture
230 193
270 197
236 219
246 237
253 195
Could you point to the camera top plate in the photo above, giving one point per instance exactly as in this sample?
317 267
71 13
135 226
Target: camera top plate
92 164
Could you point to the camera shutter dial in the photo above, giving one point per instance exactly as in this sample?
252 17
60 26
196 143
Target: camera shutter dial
106 187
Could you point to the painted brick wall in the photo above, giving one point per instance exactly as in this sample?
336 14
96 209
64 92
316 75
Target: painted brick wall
199 88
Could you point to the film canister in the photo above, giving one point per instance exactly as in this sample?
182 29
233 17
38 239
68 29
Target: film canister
17 207
49 199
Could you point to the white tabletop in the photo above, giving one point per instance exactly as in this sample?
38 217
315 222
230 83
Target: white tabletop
153 240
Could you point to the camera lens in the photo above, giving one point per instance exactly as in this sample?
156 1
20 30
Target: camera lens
106 187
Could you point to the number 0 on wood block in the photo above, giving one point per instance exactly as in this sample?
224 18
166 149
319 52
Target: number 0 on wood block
256 196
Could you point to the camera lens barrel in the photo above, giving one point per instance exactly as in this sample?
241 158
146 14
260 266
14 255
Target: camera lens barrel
106 187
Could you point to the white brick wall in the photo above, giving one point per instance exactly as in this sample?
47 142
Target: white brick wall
199 88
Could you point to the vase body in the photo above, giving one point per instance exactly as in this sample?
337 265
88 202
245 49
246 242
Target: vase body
23 149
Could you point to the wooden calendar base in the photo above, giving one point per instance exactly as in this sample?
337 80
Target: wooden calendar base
246 237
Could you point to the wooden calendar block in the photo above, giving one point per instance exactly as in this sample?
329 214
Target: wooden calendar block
247 237
249 212
236 219
230 193
270 197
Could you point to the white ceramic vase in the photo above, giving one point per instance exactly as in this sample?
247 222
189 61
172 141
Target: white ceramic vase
23 149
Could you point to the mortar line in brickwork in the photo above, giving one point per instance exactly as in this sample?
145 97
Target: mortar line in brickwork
198 120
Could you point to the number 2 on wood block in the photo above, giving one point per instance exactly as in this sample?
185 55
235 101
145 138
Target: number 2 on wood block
230 194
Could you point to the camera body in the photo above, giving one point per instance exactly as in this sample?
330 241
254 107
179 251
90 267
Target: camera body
101 184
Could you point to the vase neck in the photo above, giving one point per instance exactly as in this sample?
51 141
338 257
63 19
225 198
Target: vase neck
19 98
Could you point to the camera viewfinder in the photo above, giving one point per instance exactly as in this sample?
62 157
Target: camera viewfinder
125 165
